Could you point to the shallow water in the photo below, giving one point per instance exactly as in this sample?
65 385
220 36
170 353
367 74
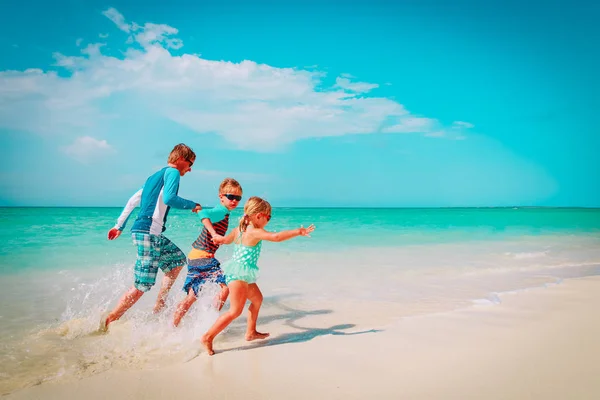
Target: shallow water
361 269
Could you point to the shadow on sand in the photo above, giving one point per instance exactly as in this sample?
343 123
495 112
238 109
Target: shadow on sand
290 317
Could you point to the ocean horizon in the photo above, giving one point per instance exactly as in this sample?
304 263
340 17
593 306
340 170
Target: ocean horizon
351 207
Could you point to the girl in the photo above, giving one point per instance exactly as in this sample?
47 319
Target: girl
241 271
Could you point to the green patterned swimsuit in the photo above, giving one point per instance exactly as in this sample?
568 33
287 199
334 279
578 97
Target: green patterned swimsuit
242 265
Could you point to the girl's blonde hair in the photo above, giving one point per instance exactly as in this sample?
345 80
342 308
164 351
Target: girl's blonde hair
253 206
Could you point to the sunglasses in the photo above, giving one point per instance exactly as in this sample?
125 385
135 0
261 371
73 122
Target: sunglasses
233 197
190 162
268 217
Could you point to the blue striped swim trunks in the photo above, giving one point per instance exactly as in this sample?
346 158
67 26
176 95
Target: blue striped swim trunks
202 271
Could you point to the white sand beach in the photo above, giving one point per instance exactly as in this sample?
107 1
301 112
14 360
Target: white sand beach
538 343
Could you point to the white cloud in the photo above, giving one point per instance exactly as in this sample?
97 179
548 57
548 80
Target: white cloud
411 125
462 124
86 149
156 34
252 106
78 42
146 35
455 132
103 35
436 134
357 87
118 19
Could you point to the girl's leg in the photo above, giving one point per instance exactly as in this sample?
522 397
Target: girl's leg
255 296
239 295
184 306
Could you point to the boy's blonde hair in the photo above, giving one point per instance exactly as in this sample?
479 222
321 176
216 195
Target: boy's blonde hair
181 151
228 185
253 206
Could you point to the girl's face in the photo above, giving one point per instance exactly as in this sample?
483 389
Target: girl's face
260 220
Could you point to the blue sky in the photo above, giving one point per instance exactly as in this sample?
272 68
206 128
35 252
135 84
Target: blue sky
305 103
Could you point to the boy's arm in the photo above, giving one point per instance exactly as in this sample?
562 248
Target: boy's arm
228 239
132 203
170 196
261 234
209 227
207 222
207 216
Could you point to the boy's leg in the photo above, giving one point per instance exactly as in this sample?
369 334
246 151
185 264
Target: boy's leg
199 273
167 282
171 261
239 295
184 306
219 277
222 297
255 296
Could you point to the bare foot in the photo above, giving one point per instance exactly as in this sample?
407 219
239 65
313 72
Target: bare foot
208 344
256 335
104 321
158 307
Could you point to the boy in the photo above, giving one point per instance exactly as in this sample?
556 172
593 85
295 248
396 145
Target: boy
202 264
154 250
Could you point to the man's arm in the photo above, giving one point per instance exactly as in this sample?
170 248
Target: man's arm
132 203
170 196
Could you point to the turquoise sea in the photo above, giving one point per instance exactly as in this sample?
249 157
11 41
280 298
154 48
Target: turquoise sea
59 273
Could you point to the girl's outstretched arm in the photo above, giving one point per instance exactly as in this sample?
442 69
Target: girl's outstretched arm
261 234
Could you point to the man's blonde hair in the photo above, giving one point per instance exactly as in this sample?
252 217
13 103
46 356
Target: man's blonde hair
228 185
181 151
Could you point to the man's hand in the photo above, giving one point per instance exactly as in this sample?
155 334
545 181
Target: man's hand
197 208
114 233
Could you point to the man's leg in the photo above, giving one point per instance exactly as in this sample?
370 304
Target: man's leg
129 299
146 267
171 261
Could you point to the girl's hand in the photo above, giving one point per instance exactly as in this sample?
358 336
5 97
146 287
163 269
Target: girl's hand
306 231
